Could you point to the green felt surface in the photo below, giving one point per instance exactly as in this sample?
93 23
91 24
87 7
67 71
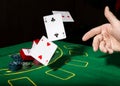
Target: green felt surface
71 65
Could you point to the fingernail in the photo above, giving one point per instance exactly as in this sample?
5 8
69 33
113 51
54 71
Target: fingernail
107 7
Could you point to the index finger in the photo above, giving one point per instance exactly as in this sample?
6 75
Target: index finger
91 33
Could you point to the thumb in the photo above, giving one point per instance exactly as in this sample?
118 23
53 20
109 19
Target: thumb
110 16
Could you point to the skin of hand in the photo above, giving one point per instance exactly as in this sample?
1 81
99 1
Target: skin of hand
106 36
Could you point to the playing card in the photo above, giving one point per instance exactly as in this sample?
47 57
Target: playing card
54 27
43 51
35 42
26 51
25 54
66 16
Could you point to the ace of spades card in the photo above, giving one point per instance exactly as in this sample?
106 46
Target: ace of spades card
54 27
43 51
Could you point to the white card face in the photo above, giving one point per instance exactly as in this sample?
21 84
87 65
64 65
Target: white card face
34 44
66 16
26 52
54 27
43 51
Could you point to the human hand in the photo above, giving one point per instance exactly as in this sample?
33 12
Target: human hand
106 36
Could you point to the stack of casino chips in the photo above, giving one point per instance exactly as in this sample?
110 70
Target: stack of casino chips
24 60
16 64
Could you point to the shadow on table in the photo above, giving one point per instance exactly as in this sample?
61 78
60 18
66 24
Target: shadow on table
60 62
113 59
74 50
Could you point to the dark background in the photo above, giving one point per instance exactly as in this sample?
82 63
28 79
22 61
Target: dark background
22 20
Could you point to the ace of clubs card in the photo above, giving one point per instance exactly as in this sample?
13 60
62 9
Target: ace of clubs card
54 27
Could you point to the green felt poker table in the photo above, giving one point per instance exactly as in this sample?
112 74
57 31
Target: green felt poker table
71 65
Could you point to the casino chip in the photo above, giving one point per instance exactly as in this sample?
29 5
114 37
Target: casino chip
16 64
26 65
16 58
